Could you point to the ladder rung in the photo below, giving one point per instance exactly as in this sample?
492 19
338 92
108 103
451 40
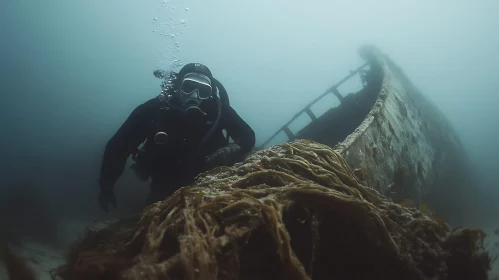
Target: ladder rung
288 132
310 114
338 94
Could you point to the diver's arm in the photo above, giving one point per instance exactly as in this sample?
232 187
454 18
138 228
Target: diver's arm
124 142
242 134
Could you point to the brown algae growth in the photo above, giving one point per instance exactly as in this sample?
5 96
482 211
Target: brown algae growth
292 211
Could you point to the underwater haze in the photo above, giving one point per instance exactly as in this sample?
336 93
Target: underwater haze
72 71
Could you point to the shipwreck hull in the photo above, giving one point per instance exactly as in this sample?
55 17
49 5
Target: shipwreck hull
402 143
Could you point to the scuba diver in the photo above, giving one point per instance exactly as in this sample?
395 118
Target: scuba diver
181 134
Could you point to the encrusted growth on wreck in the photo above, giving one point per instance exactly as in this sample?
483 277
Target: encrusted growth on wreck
404 140
391 130
293 211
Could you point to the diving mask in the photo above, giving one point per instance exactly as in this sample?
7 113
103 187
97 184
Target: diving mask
196 82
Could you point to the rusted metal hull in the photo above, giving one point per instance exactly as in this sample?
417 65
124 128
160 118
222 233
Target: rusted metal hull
404 143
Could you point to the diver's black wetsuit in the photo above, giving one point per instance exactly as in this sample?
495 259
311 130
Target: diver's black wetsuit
176 163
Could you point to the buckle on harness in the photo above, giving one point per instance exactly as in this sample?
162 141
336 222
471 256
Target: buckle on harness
161 138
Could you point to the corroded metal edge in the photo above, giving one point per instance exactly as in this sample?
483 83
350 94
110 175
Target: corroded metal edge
405 143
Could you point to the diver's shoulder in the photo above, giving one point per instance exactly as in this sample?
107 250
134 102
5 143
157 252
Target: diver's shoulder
153 102
147 108
227 109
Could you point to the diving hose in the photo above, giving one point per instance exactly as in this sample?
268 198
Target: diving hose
224 99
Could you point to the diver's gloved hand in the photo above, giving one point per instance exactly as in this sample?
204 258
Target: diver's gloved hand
106 196
222 156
